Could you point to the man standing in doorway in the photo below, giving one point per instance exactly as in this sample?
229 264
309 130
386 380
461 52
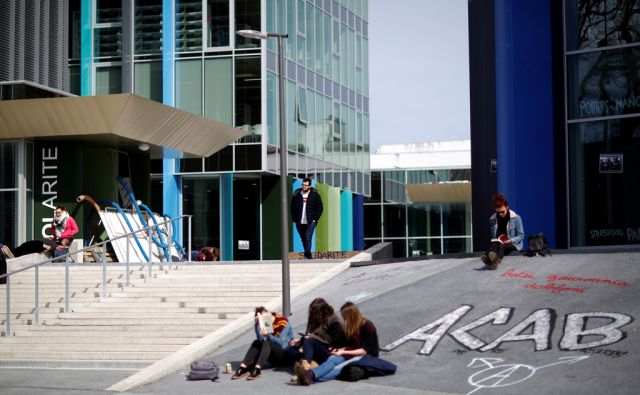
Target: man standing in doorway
306 209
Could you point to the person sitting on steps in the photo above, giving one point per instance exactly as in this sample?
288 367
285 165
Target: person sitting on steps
63 228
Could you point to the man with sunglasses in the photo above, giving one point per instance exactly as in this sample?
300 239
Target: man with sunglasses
507 232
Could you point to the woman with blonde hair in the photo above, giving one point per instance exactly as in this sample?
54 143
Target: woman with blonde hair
362 339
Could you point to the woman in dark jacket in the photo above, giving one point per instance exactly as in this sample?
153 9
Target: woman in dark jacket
324 332
362 339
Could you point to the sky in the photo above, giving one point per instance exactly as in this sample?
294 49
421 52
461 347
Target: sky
418 86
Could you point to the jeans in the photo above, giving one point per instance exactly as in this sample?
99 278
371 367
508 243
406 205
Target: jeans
502 249
306 234
315 350
331 368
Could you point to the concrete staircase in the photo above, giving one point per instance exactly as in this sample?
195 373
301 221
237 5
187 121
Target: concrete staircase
136 325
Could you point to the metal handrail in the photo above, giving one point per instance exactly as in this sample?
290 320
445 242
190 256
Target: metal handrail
36 267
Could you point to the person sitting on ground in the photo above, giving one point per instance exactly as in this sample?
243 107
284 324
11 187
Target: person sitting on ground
362 339
507 232
63 228
267 346
324 332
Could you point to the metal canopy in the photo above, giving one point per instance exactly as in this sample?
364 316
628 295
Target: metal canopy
125 115
445 192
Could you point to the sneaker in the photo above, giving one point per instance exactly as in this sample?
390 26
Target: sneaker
255 374
494 260
240 373
305 377
7 252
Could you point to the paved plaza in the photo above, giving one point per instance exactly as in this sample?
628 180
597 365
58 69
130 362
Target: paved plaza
564 324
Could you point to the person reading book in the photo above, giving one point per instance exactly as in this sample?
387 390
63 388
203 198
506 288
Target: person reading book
507 232
273 334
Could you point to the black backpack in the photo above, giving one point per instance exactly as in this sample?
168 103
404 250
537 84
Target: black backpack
204 369
537 245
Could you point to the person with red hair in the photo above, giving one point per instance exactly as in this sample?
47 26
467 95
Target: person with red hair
507 232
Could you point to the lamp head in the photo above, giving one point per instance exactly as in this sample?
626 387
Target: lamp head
252 34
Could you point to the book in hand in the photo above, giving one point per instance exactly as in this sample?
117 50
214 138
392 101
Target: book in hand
502 239
265 321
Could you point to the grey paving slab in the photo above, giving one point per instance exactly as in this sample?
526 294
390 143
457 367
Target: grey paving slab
565 324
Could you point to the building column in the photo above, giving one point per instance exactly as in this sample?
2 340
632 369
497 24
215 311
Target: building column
226 217
346 221
86 48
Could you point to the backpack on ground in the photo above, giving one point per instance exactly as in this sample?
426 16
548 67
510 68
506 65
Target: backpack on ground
537 245
205 369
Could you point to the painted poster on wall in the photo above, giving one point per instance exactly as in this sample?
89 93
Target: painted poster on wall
611 163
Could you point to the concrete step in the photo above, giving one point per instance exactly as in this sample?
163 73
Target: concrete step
153 317
91 347
73 355
97 338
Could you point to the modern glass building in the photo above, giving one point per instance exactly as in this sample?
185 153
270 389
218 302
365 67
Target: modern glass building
421 198
185 54
555 117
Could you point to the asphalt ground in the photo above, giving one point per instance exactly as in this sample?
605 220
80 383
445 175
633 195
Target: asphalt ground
562 324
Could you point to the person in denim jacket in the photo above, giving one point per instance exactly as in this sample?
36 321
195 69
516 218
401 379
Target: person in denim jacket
267 346
507 232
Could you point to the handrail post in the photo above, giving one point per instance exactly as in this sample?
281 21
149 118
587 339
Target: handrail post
8 289
104 272
66 286
36 319
127 264
189 239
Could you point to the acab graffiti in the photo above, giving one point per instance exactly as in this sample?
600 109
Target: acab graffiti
539 326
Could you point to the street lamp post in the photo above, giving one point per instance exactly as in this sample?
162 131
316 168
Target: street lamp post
284 219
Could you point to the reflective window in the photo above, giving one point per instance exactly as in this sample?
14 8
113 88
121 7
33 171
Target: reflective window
147 26
248 157
188 25
218 90
108 11
108 80
601 23
218 23
201 198
603 83
603 196
248 18
107 41
220 161
248 97
394 220
9 162
74 30
148 80
189 86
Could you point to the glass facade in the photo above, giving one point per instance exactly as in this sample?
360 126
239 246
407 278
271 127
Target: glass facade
603 102
416 229
218 74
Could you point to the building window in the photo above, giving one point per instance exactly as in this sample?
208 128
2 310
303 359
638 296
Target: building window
188 25
248 97
148 27
218 89
189 86
603 209
247 18
148 80
218 27
601 23
108 80
108 29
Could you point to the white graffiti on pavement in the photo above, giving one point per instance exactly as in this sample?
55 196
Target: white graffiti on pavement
495 375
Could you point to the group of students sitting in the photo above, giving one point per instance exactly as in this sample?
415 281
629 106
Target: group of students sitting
330 347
